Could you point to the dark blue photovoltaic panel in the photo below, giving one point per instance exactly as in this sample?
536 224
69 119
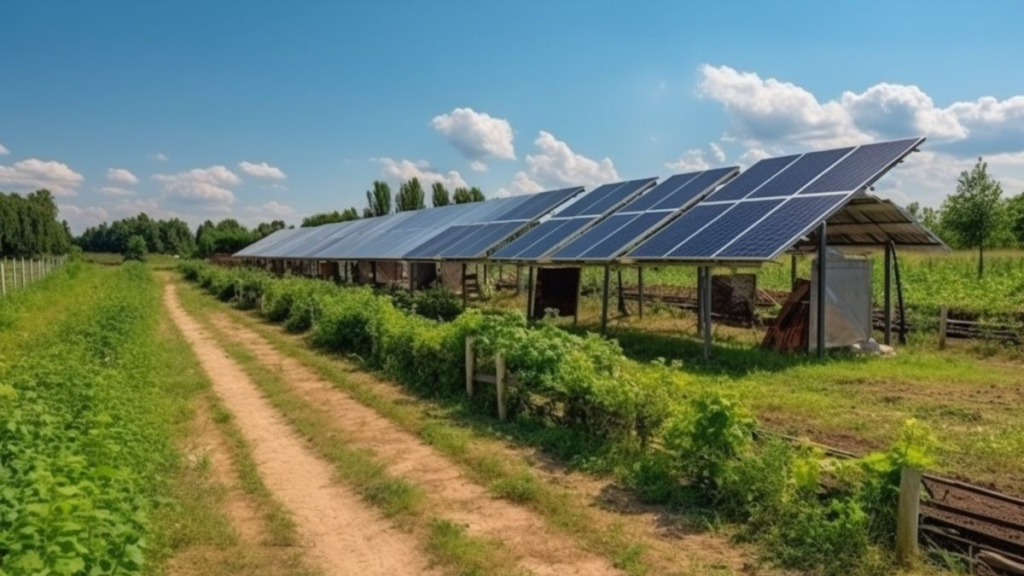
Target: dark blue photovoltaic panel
620 195
694 189
799 173
539 204
532 235
479 242
432 247
659 192
747 181
669 237
777 231
621 239
582 205
591 237
564 232
858 168
733 223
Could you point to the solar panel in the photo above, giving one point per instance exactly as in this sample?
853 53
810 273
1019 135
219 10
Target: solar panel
767 209
642 216
575 218
473 242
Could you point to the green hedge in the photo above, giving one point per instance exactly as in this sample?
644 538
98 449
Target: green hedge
672 445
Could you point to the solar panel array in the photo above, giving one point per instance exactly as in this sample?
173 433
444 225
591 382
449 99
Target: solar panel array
394 236
628 225
768 208
472 241
753 217
575 218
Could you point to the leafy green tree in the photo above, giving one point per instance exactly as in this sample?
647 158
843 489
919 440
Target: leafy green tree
465 195
378 200
439 195
136 249
1015 214
329 217
162 236
264 229
410 196
975 212
29 225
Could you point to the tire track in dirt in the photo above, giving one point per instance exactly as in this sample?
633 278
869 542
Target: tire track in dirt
525 533
342 534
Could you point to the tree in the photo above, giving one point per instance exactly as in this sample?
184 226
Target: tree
1015 214
136 248
463 195
378 200
439 195
264 229
975 212
29 225
329 217
410 196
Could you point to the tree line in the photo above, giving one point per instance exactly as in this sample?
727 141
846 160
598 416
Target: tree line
410 196
141 235
29 225
976 215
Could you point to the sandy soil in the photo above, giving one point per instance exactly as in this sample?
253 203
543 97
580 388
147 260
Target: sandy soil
539 548
343 535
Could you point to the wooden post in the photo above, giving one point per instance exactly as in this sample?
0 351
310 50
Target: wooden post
3 279
943 320
14 274
822 300
500 385
700 300
24 277
470 365
907 515
640 291
887 304
519 281
604 298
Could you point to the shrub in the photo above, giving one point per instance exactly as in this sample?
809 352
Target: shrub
136 248
710 433
437 303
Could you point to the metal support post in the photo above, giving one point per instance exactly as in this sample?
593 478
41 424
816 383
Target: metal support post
822 266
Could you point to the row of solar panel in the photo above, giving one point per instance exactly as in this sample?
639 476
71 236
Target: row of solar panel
688 217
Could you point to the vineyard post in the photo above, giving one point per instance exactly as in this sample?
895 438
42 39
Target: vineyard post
943 325
500 385
907 515
470 365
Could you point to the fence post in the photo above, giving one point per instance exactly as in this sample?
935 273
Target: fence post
24 276
943 325
470 365
502 387
907 515
14 274
3 279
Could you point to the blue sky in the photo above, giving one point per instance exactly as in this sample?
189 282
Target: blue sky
275 110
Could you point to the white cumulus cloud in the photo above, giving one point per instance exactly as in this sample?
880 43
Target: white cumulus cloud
555 164
121 176
477 135
401 170
3 150
32 174
200 185
261 170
